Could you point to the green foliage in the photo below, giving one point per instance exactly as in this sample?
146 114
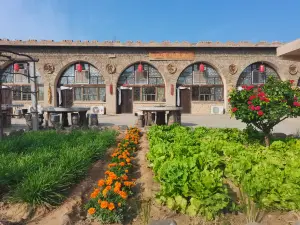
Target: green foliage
192 166
266 105
39 167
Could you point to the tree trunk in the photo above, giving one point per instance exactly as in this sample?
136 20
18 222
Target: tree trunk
267 139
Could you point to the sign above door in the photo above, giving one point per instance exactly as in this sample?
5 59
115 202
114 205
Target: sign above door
175 55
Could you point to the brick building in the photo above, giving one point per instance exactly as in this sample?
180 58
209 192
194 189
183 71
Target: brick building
124 76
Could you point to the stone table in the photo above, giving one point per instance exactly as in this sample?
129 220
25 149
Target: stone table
174 115
64 111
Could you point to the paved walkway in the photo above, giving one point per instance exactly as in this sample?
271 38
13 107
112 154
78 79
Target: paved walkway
289 126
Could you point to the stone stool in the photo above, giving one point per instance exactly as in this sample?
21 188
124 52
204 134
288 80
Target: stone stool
93 120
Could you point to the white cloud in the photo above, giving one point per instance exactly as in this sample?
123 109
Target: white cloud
33 19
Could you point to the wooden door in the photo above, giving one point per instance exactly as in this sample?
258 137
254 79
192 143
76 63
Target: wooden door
67 98
185 100
126 101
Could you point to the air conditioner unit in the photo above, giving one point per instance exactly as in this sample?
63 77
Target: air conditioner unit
217 110
100 110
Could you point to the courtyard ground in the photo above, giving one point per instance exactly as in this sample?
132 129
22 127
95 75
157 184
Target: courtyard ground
288 126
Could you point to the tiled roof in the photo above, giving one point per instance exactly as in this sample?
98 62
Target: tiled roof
70 43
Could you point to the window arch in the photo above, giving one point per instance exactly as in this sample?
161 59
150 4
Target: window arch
20 82
148 85
252 76
87 85
206 85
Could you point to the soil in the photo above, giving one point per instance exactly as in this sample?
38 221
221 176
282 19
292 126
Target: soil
71 211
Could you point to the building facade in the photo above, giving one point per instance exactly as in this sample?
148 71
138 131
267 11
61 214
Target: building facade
125 76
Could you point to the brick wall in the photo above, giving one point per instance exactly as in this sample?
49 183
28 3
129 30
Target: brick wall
219 58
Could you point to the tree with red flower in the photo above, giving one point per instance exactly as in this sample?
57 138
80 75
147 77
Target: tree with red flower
266 105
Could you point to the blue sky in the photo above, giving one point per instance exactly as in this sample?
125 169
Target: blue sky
157 20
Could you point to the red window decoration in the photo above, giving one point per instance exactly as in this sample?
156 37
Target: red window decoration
79 67
172 89
201 67
16 67
261 68
140 67
111 90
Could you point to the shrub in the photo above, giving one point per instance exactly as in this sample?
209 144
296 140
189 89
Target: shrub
266 105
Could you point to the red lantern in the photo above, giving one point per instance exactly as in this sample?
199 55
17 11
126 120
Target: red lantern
79 67
201 67
261 68
16 67
140 67
111 90
172 89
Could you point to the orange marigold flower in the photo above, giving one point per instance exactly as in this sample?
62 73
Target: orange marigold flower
123 194
122 164
119 204
112 164
108 188
104 204
107 172
91 211
128 183
128 160
111 206
101 182
109 181
99 201
113 176
126 171
124 177
117 190
94 195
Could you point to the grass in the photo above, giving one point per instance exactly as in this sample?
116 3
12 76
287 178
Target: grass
39 167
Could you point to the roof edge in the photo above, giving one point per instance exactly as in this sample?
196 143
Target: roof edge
165 44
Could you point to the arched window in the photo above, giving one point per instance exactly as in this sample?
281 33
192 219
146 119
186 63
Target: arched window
148 85
87 85
19 81
252 76
206 85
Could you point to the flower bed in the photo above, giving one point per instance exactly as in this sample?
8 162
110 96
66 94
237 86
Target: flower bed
109 199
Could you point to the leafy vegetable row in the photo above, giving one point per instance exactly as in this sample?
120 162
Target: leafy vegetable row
194 167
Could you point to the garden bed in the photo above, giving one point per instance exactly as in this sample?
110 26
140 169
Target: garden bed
39 168
215 173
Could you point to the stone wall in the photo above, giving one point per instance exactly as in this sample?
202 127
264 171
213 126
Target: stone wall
220 58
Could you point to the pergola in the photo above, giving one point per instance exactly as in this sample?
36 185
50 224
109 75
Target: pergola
290 51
